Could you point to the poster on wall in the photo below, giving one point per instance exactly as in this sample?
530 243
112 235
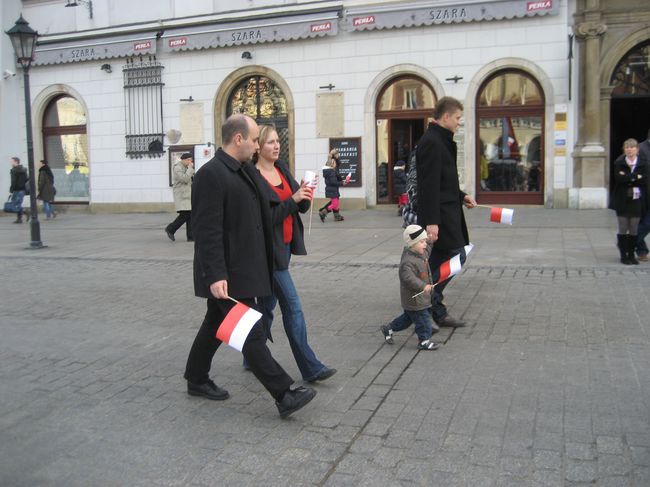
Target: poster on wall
175 153
350 152
202 154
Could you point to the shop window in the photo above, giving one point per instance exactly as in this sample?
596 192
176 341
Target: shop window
262 99
65 146
632 74
510 134
143 101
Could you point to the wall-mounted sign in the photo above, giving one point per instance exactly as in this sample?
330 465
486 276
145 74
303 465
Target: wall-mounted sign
350 152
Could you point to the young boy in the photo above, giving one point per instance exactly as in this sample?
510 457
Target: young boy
414 278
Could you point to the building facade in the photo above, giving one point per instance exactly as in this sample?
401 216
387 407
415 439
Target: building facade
120 89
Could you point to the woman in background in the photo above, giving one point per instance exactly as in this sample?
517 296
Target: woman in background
629 198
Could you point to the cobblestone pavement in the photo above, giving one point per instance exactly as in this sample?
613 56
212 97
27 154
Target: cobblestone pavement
549 384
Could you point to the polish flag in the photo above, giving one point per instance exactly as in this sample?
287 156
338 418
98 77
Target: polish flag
452 266
237 324
501 215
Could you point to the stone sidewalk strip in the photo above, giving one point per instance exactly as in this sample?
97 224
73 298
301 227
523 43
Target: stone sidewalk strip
549 384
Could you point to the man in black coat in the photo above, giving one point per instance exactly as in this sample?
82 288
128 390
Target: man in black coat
233 257
644 224
440 199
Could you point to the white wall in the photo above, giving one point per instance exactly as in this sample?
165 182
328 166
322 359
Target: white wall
350 61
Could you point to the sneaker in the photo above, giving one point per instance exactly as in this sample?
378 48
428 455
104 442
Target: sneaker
322 214
294 399
388 334
642 257
428 345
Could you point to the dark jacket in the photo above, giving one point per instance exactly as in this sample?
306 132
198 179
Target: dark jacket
279 211
18 178
46 190
440 200
414 274
333 180
231 224
399 180
626 181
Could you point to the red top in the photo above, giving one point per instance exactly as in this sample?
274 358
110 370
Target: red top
284 192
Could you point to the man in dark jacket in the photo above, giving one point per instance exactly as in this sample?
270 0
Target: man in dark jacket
233 258
440 199
644 225
17 189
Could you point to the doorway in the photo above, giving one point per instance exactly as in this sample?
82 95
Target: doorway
629 119
401 136
404 107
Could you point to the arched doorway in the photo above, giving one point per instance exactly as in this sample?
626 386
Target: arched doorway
65 147
510 139
630 102
262 99
403 110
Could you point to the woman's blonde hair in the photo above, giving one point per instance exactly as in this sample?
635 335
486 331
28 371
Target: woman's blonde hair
630 143
334 153
265 135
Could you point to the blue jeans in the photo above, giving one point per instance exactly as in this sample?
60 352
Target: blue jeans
48 208
17 201
642 233
422 319
293 319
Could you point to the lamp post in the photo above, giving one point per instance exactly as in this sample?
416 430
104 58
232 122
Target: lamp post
23 39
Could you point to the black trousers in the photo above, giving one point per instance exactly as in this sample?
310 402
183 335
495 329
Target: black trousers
184 216
257 354
437 257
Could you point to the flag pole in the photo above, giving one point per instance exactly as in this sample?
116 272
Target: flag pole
484 206
421 292
311 212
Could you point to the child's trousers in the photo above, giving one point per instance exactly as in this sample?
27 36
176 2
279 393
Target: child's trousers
422 320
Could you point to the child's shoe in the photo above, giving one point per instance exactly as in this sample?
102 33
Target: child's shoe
428 345
388 334
322 214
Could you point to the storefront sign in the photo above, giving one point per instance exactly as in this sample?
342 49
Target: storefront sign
410 14
350 153
92 49
253 31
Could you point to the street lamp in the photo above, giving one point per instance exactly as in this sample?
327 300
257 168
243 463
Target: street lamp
23 39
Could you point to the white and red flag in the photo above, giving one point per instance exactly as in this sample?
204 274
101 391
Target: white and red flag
501 215
237 324
452 266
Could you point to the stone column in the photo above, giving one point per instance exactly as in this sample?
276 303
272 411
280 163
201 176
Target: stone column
590 159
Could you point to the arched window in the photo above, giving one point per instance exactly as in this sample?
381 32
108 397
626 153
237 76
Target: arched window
66 148
262 99
403 109
632 74
510 139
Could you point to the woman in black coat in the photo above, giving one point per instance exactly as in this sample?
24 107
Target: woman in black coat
46 189
287 199
629 198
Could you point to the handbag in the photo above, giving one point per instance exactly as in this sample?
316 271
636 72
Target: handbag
9 206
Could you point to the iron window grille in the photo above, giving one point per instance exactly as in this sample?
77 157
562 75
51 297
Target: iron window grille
143 107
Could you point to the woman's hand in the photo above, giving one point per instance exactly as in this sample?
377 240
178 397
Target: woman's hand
304 192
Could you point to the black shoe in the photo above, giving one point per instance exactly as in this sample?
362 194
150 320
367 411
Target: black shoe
322 214
209 390
170 235
450 322
295 399
326 373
